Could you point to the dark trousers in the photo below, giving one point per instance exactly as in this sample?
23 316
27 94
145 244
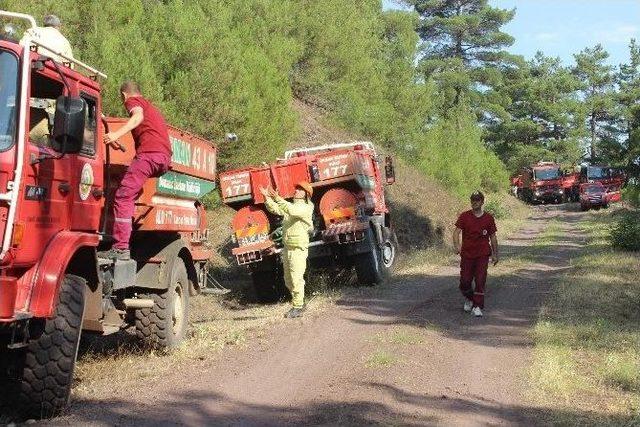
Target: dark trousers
474 270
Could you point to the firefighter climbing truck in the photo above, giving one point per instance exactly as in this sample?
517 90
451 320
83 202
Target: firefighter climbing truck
352 223
57 181
542 183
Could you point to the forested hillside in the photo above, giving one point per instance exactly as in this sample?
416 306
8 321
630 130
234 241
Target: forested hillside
435 83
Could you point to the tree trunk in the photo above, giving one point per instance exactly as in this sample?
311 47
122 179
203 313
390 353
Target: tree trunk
593 136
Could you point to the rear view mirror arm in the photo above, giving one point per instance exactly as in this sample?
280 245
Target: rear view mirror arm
62 76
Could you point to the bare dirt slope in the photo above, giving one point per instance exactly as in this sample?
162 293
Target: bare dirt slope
404 354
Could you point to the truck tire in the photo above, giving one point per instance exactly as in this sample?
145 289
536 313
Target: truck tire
47 364
375 266
268 282
164 326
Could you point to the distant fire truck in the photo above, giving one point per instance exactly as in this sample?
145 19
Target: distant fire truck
542 182
612 179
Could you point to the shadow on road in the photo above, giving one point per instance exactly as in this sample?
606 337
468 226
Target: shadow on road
417 299
209 408
512 301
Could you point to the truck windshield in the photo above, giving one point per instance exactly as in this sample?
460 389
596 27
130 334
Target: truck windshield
598 172
545 174
8 91
594 190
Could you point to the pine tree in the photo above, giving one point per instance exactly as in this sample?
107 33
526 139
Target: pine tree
627 145
463 46
543 109
597 84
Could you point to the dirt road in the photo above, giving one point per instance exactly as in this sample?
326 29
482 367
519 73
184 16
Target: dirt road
402 354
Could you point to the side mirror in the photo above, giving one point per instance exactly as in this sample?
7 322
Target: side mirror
68 124
389 170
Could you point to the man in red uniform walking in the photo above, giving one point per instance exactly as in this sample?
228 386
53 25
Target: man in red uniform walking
152 159
479 242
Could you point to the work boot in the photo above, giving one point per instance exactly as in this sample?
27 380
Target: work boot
115 254
295 312
468 305
477 312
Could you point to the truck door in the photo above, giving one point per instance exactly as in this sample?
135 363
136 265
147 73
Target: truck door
44 209
87 170
9 90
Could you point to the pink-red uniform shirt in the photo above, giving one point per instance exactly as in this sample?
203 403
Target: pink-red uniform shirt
152 135
475 234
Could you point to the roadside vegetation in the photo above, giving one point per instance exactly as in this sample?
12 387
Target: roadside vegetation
235 66
587 341
434 83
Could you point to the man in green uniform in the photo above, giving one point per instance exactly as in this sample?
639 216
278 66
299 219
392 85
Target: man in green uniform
296 224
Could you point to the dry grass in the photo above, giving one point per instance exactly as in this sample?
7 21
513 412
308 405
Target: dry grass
400 335
216 325
380 359
587 352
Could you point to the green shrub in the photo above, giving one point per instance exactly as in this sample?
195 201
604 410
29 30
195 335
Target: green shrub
216 66
495 208
211 200
452 151
631 194
626 232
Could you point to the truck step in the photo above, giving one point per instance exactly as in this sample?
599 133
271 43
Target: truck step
138 303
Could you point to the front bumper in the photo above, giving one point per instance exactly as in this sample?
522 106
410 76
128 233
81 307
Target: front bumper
548 195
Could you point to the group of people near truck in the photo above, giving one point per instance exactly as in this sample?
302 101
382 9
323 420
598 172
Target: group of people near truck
474 236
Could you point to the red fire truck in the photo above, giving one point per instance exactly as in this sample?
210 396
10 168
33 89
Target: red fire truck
56 187
352 220
542 182
613 179
571 185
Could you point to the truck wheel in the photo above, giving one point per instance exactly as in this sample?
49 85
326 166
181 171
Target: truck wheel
44 384
374 267
164 325
268 282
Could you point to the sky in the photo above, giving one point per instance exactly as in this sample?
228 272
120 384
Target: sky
565 27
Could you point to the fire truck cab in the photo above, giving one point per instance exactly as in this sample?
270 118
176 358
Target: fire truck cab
542 182
612 179
57 181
